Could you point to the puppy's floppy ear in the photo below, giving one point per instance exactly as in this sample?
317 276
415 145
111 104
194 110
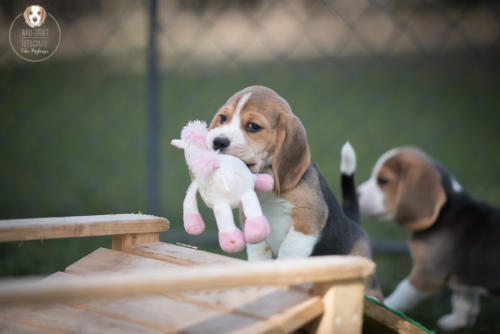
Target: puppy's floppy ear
291 154
420 195
25 14
44 15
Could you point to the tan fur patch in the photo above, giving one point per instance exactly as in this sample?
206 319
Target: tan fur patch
413 192
429 272
310 210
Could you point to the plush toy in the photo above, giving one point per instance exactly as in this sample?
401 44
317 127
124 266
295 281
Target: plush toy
224 183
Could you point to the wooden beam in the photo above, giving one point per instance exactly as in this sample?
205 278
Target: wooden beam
122 242
326 269
80 226
343 307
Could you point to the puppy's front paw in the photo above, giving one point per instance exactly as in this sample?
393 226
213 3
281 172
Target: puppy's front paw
452 321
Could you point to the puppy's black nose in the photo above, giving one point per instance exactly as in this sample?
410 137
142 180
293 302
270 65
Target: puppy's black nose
35 19
221 143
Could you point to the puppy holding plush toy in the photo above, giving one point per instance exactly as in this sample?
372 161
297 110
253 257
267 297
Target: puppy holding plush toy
224 183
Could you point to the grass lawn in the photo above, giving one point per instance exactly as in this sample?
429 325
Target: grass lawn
73 139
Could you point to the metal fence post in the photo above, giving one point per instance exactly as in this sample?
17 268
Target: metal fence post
153 116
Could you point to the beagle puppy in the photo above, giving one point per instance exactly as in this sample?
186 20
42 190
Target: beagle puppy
34 16
258 126
455 239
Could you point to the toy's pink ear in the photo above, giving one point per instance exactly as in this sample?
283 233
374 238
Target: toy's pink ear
179 143
195 132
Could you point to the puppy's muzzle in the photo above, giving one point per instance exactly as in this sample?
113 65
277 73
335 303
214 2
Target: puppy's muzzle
35 19
220 143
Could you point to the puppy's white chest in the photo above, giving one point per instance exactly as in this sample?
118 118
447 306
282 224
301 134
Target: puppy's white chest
278 213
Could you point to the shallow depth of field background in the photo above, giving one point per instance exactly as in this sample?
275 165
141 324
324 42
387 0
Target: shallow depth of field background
74 129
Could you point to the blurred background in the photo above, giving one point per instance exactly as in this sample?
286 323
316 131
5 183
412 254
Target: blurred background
88 130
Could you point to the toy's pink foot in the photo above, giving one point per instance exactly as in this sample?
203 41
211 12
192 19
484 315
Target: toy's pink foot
264 182
193 223
232 242
256 229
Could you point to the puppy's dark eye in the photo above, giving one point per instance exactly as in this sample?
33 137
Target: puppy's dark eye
222 119
381 181
253 127
31 12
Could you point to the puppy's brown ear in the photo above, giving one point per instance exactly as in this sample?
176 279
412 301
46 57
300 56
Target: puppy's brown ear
44 15
420 194
25 14
291 154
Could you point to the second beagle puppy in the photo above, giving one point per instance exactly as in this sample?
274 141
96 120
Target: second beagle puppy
258 126
455 238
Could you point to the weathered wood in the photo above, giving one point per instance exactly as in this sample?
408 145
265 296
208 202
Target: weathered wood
283 272
343 306
290 307
179 254
80 226
377 316
122 242
61 318
14 327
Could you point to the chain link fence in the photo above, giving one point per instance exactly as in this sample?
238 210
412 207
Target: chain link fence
87 131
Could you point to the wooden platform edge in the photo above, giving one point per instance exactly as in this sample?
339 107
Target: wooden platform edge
80 226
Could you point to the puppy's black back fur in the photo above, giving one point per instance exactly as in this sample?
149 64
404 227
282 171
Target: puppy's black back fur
340 233
469 239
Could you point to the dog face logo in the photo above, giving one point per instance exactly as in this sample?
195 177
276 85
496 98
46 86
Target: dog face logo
34 16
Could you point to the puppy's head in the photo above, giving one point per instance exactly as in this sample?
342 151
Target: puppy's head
405 185
258 126
34 15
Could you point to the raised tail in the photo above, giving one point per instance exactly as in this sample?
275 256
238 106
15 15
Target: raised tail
349 195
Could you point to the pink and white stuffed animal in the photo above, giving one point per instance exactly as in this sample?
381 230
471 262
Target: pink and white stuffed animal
224 183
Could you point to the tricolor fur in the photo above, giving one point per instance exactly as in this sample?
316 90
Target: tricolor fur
455 238
258 126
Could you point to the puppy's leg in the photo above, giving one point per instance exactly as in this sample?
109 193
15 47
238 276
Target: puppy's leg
405 297
193 223
297 244
465 308
259 251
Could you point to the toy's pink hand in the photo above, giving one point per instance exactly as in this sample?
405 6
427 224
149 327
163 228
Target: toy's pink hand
264 182
193 223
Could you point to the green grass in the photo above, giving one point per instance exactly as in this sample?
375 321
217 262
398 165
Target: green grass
73 138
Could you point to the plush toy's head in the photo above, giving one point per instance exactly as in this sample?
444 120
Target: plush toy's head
195 133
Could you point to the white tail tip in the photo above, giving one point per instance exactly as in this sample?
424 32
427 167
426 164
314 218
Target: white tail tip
348 159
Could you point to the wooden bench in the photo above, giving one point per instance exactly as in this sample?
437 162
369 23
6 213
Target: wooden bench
142 285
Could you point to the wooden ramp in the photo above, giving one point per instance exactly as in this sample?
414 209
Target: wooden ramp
146 286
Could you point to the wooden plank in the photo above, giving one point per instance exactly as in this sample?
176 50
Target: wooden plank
379 319
179 254
257 302
60 318
80 226
343 307
283 272
13 327
122 242
160 312
106 261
